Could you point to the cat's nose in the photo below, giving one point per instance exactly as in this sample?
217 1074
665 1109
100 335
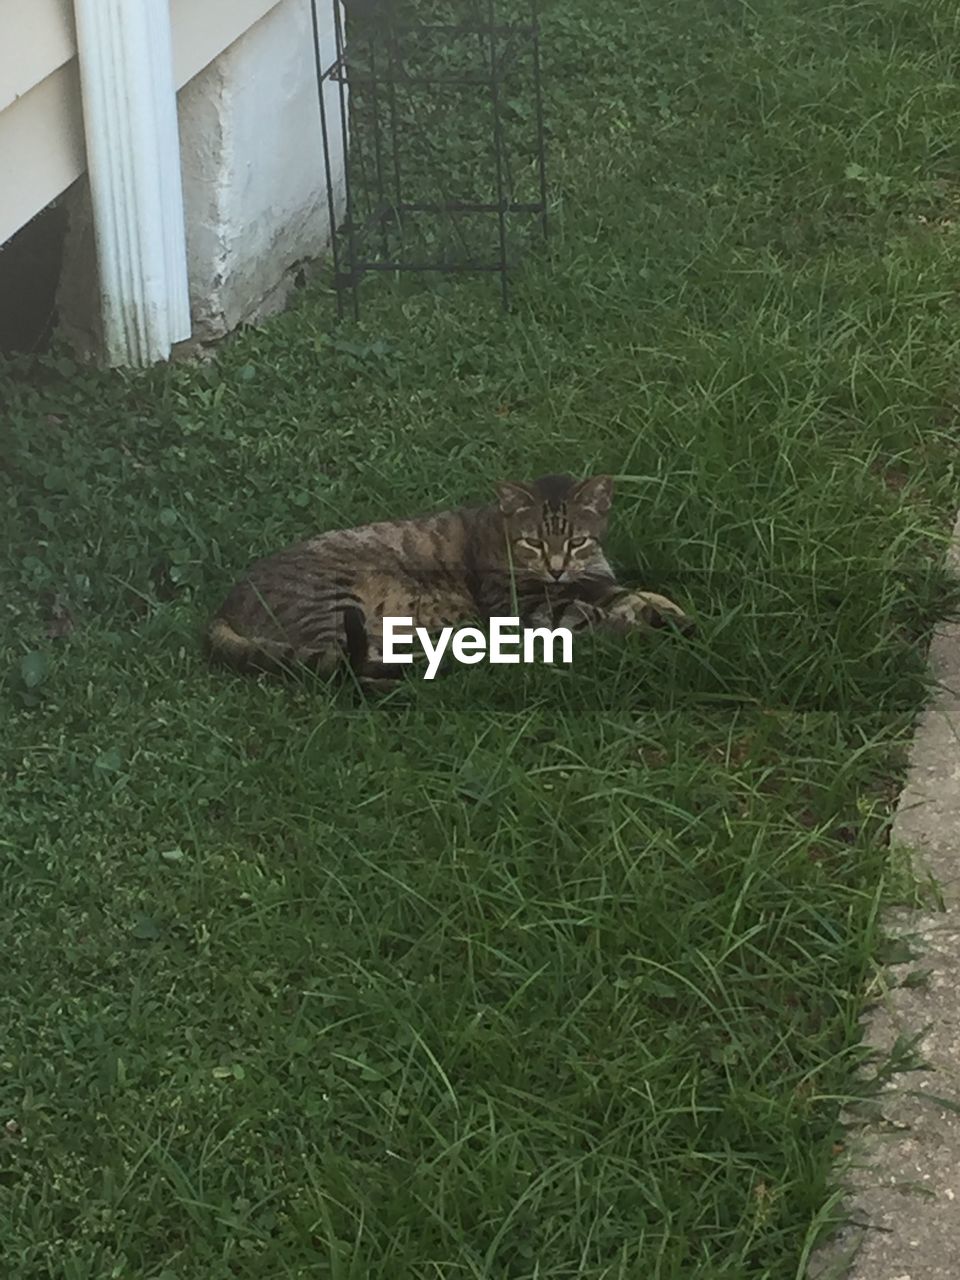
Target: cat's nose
556 574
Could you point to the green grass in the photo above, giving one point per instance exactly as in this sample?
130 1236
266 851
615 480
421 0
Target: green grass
530 974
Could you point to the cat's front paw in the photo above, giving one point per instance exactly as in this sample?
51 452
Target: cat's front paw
645 610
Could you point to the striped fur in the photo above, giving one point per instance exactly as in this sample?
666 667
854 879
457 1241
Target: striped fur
535 553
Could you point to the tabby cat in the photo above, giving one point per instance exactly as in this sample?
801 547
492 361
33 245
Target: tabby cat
535 554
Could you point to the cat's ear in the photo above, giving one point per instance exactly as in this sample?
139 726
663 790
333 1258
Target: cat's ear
514 498
595 494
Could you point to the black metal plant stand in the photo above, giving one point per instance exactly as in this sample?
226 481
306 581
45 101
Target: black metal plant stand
445 141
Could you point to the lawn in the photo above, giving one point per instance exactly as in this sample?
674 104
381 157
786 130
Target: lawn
527 973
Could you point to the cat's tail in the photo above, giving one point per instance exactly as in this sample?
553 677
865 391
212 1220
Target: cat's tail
230 649
246 655
260 654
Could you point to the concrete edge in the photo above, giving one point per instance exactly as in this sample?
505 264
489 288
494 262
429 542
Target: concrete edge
903 1177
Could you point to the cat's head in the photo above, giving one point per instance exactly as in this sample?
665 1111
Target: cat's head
555 524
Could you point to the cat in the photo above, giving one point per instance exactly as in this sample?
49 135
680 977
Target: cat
535 554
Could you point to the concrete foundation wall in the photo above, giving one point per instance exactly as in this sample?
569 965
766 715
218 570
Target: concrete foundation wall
253 169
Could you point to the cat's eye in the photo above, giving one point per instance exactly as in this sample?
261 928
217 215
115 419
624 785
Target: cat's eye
575 543
531 544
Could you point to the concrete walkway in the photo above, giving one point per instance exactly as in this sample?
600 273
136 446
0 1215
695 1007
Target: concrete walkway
905 1188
